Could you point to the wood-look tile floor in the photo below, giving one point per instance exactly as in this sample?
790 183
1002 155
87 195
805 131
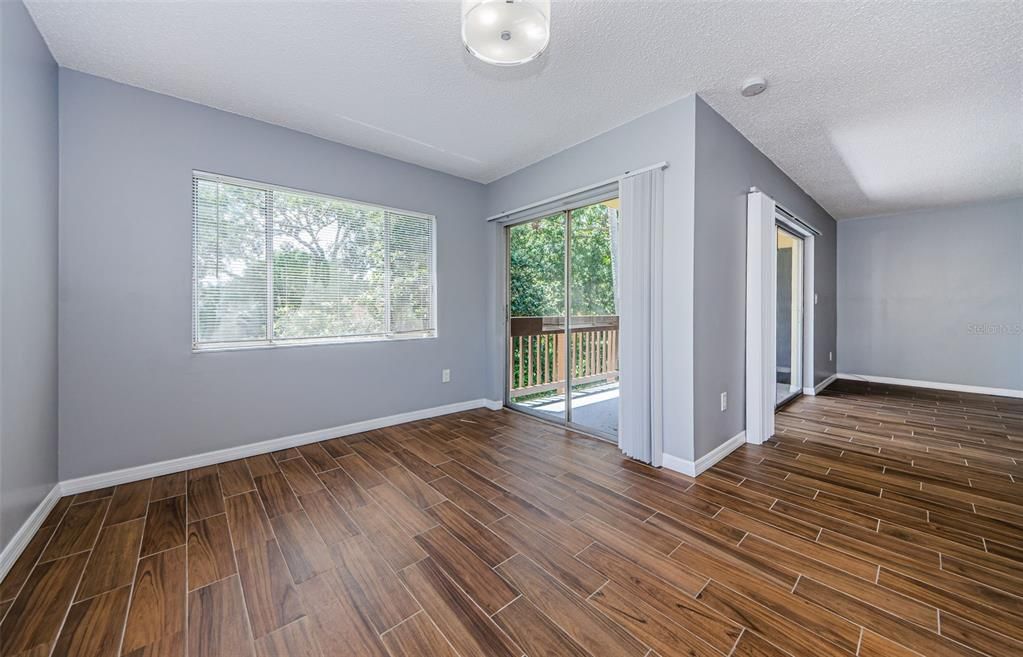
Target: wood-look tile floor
879 521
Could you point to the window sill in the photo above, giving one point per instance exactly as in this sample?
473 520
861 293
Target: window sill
220 347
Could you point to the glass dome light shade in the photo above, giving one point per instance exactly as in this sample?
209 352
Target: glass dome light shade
506 32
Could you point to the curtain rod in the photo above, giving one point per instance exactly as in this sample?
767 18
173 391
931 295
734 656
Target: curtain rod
785 211
580 190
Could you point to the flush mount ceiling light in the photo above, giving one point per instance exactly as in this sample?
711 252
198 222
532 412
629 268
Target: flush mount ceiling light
506 32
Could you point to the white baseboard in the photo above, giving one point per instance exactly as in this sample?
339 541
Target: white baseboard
934 385
685 466
693 468
102 480
816 390
20 540
493 404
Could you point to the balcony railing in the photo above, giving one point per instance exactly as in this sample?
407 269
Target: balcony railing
539 352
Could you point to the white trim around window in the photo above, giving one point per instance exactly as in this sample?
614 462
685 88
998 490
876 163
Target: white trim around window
274 267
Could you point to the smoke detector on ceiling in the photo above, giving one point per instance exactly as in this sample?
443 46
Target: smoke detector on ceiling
753 87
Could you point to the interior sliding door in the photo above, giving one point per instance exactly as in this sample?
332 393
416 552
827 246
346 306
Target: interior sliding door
788 360
562 353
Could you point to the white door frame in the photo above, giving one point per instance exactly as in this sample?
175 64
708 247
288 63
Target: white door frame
762 216
798 298
809 295
566 421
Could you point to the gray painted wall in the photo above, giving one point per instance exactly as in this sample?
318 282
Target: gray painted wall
727 165
915 287
663 135
132 391
28 269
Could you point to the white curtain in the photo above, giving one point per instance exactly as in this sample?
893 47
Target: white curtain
639 418
761 323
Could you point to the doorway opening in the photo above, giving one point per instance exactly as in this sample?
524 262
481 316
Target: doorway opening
563 329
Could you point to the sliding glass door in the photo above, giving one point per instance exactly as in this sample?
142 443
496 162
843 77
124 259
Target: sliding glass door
536 316
788 361
562 355
593 320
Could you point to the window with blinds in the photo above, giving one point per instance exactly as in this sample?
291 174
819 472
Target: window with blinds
279 266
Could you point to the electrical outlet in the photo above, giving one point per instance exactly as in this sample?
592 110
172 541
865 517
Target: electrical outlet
831 356
724 401
445 376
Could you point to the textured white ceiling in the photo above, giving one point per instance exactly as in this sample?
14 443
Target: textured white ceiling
872 107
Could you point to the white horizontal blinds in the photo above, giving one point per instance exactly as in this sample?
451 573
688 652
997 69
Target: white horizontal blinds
229 233
329 268
339 269
410 248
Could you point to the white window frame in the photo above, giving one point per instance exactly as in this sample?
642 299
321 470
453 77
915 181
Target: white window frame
270 342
